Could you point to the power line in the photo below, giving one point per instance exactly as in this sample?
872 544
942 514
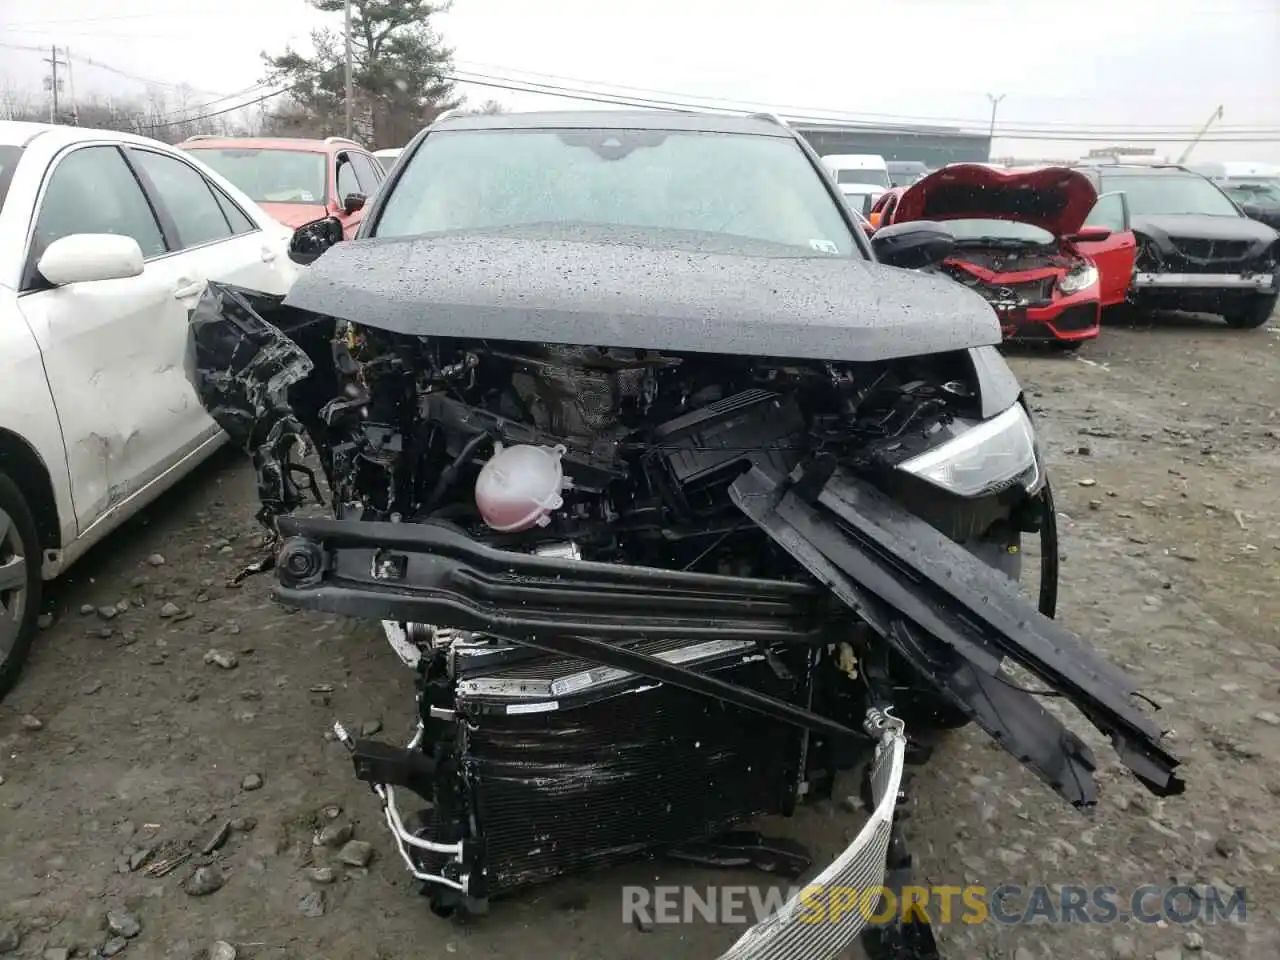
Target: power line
1095 134
1083 136
853 115
178 115
216 113
150 81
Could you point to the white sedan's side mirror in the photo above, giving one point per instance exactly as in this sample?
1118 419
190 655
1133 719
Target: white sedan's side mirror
88 257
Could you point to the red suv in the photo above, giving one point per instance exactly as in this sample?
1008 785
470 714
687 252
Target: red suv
296 181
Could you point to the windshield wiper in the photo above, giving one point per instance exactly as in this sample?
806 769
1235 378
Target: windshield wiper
1008 243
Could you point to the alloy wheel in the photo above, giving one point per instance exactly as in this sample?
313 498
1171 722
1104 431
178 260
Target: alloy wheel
13 584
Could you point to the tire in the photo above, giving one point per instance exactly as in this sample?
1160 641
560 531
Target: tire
20 550
1253 315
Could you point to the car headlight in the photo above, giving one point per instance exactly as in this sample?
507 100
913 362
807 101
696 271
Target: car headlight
987 457
1080 278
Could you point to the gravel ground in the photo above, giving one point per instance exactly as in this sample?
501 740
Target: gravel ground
130 741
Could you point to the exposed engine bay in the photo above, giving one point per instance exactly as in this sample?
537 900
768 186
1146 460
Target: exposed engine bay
1009 278
651 594
618 455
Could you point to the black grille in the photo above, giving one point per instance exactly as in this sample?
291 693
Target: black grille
1210 255
587 786
1082 316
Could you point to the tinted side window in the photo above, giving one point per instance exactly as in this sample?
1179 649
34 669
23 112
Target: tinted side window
186 197
367 172
1107 212
348 183
92 190
240 223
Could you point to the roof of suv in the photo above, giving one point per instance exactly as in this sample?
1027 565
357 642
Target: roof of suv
1156 169
619 120
269 143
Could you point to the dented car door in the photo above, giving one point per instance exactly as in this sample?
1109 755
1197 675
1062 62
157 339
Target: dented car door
113 350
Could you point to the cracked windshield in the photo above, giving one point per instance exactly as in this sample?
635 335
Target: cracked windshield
657 481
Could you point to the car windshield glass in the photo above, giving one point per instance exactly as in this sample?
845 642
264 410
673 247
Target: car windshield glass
1167 194
1005 230
863 175
756 187
269 175
8 161
1254 191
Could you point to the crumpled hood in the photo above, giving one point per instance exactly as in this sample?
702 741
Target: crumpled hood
1201 227
741 298
1268 213
1056 199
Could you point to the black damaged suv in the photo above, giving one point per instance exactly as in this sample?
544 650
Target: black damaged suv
1196 250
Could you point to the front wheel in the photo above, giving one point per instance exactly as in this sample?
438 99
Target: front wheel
19 582
1252 314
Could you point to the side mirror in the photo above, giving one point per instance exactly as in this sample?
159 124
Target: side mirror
1091 235
314 238
89 257
353 202
913 245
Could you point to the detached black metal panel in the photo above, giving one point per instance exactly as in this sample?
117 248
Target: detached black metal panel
954 618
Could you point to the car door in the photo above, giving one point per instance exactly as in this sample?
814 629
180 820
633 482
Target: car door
348 183
1114 257
112 350
218 238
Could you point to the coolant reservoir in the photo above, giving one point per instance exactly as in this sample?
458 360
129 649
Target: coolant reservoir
520 486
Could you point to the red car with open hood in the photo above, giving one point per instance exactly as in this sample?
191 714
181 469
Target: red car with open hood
1023 243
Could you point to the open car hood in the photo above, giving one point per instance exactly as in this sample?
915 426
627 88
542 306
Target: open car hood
1056 199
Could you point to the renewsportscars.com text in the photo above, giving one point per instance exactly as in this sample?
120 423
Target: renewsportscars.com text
1007 904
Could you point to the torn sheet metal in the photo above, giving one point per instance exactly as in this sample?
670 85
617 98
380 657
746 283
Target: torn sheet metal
246 372
954 618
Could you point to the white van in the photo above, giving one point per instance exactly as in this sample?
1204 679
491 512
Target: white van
861 177
863 168
387 157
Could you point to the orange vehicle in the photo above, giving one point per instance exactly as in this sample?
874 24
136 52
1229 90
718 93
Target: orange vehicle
882 210
296 181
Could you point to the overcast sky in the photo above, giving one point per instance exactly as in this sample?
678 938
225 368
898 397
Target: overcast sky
1136 67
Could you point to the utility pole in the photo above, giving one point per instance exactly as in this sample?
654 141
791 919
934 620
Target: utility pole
995 102
54 63
71 89
350 105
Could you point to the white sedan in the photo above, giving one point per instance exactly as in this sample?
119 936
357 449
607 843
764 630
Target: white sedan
106 242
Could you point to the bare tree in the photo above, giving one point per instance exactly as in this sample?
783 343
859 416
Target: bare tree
15 104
